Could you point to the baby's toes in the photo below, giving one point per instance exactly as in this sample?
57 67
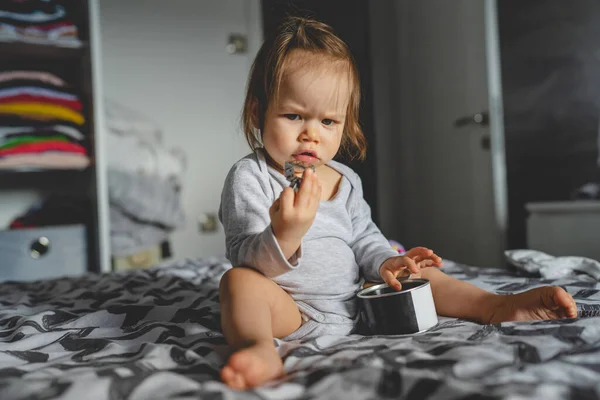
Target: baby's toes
561 302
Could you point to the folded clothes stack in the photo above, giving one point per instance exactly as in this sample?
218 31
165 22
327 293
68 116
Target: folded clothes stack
144 211
41 122
136 145
144 185
37 21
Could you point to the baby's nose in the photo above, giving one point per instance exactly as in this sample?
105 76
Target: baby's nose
312 133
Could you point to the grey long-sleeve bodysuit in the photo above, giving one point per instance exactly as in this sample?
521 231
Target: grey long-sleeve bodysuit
342 247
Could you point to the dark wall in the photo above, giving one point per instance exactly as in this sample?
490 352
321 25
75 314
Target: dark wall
349 18
550 55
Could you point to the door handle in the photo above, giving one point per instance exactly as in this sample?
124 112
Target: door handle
481 118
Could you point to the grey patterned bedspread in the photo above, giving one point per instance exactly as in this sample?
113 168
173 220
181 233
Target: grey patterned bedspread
154 334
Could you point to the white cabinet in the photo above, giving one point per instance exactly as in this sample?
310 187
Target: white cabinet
565 228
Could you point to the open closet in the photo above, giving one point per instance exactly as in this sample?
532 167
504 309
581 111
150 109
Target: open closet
52 177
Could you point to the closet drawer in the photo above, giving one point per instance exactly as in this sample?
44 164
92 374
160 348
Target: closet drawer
40 253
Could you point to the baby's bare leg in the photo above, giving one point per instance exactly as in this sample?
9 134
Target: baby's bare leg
456 298
254 310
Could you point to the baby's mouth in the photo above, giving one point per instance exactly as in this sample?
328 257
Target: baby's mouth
306 157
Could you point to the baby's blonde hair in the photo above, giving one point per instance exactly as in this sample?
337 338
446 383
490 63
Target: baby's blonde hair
267 72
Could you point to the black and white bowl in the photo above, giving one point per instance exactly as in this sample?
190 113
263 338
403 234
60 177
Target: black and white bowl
386 311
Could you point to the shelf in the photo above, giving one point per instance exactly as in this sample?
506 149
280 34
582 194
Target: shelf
61 180
45 51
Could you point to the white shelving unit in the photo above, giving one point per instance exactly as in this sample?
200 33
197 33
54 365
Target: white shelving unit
89 251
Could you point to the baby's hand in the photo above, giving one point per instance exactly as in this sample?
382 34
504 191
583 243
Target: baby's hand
413 260
424 257
293 213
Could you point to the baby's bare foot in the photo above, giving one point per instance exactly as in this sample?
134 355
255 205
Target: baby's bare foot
548 302
252 366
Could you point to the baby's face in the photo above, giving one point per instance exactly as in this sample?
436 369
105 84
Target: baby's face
307 122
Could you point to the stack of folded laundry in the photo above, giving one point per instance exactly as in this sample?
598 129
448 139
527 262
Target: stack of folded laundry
41 122
144 185
37 21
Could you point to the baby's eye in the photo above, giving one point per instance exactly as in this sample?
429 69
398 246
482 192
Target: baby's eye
328 121
292 117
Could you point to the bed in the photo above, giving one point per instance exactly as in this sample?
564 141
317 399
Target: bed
154 334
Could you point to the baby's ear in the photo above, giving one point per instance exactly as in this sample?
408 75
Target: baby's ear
254 111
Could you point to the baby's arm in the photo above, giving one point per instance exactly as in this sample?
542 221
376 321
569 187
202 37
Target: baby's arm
369 245
292 214
244 212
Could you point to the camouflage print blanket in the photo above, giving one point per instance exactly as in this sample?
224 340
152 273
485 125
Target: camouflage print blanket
154 334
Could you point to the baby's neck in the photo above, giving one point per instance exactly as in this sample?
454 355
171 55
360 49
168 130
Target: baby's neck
330 180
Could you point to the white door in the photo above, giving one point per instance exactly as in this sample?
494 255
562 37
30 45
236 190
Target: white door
443 187
169 61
